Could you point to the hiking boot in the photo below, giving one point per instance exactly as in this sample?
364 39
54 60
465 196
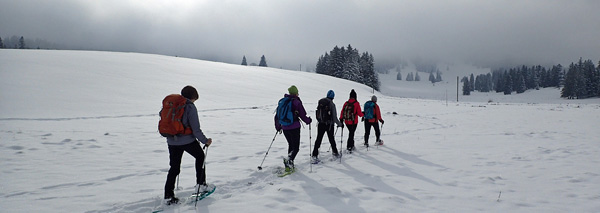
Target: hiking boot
366 144
171 199
205 188
314 159
336 156
379 143
286 163
289 164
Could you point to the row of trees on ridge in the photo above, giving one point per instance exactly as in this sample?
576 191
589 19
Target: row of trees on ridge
581 80
347 63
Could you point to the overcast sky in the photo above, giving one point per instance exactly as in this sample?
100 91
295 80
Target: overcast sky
290 33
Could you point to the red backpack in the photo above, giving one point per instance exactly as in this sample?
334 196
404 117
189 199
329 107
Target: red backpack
171 115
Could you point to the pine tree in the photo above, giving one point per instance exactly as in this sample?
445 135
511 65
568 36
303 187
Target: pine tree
417 77
508 82
399 76
1 43
263 62
244 61
591 79
409 77
336 62
581 88
561 77
568 91
370 76
320 65
598 72
22 43
431 78
498 79
522 85
351 69
438 77
466 86
472 81
489 82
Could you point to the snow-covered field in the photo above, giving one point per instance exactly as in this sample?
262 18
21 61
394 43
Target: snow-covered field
78 134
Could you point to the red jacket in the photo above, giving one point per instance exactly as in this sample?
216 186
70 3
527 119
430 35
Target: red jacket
357 112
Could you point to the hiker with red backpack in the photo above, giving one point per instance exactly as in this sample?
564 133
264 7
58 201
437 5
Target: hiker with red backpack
372 117
289 113
349 115
326 116
180 125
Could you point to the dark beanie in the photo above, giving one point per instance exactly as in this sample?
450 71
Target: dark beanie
189 92
353 94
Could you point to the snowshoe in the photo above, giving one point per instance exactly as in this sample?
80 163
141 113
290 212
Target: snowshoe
315 160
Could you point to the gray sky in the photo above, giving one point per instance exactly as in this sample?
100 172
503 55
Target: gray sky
290 33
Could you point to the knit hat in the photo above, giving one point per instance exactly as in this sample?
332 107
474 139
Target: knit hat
293 90
353 94
330 94
374 98
189 92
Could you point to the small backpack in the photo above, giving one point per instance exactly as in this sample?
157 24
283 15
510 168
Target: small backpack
285 116
369 110
324 114
170 123
348 111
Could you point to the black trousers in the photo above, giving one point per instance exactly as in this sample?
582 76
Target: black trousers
175 154
351 130
368 130
293 138
322 128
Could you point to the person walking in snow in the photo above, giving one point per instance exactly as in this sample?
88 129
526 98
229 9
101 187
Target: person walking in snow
327 117
187 143
291 126
372 117
349 115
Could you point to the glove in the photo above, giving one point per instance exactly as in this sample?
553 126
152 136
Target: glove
342 126
381 121
309 120
362 119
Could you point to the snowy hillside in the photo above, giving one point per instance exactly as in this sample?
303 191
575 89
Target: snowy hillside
78 134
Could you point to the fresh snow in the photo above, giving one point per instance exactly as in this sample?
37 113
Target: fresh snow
78 134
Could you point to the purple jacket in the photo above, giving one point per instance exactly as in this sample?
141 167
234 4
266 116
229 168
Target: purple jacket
299 112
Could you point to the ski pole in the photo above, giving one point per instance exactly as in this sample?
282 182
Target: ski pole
203 168
341 144
310 145
260 167
380 133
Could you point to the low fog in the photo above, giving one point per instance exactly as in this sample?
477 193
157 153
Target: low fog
293 34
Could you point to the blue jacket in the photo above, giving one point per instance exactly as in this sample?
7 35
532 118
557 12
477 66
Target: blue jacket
190 119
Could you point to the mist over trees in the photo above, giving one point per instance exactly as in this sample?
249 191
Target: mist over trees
20 42
581 80
347 63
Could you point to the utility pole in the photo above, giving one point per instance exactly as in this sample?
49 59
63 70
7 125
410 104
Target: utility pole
456 88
